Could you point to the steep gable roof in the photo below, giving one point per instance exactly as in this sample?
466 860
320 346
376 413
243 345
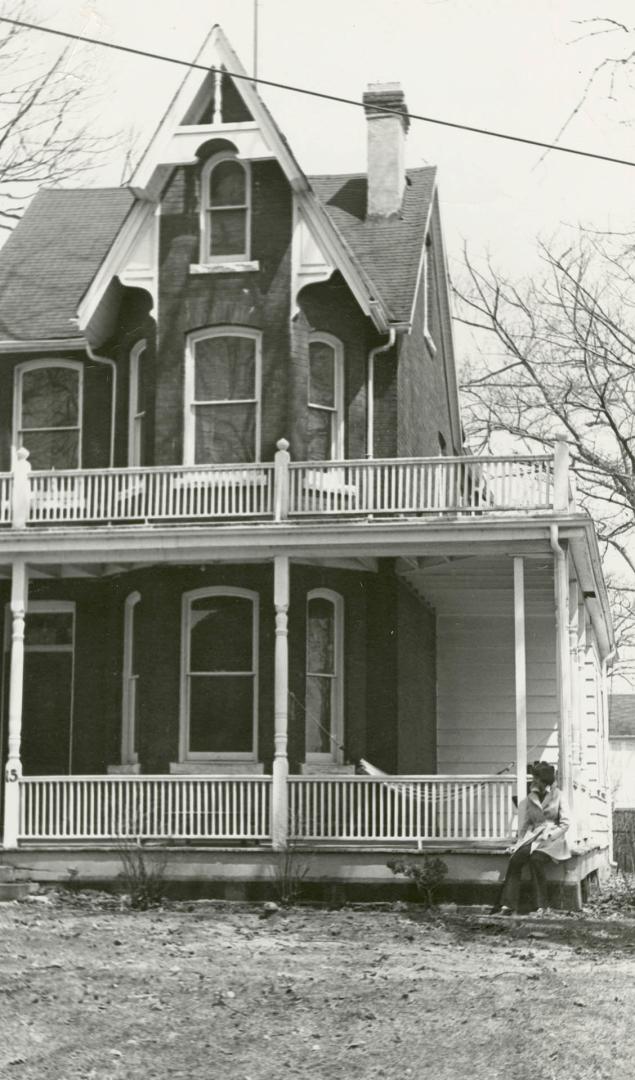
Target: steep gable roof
51 258
388 251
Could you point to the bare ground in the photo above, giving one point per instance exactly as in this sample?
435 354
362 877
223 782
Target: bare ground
91 992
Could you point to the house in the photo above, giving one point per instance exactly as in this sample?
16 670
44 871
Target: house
242 548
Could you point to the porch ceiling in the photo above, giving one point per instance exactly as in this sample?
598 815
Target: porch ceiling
473 585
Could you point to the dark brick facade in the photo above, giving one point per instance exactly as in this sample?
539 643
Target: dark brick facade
388 663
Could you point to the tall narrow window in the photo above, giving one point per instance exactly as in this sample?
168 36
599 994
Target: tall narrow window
129 710
47 412
222 391
137 404
225 210
324 700
326 399
220 676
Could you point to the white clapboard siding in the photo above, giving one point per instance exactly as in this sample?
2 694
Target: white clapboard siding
476 694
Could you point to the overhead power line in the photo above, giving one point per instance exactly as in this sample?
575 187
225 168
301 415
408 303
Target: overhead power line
556 147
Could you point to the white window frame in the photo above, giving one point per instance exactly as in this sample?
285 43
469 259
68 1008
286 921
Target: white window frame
186 627
206 212
336 754
34 365
189 423
136 419
337 410
129 679
57 607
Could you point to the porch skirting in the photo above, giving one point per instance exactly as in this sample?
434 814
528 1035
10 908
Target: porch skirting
347 873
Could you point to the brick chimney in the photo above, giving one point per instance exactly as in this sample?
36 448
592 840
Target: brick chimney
386 148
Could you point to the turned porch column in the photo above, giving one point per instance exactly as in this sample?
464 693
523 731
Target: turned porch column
279 795
13 769
520 678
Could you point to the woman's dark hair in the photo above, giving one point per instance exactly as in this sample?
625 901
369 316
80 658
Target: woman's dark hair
543 771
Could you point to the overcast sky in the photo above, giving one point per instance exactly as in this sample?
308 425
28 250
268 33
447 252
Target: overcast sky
491 63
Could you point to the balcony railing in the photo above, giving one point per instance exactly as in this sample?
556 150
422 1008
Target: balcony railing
283 489
322 810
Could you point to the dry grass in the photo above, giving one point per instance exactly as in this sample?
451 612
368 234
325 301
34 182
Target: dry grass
89 992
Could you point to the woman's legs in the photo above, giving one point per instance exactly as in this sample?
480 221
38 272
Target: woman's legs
538 863
511 889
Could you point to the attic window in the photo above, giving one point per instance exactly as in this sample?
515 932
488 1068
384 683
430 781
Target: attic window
225 210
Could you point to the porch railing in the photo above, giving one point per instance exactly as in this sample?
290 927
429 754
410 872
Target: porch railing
321 809
389 809
145 807
284 489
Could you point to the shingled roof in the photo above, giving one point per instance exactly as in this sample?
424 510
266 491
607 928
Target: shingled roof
50 260
621 716
388 251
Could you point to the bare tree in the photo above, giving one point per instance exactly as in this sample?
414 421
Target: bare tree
555 358
44 136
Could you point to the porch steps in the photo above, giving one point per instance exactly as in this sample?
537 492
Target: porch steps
10 889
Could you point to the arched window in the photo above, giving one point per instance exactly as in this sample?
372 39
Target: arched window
219 697
324 676
222 396
326 398
48 412
225 209
137 404
130 679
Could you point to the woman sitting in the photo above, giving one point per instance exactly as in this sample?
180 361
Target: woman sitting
543 820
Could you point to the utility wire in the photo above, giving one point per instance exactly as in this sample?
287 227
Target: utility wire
326 97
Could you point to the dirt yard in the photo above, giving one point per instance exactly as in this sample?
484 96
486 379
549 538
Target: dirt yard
209 990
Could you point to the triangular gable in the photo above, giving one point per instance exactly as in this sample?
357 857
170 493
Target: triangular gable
174 143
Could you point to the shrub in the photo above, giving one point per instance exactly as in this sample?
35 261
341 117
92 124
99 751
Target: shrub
427 872
142 874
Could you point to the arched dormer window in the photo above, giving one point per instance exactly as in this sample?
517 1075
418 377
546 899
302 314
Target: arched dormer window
47 412
324 676
225 210
222 396
325 398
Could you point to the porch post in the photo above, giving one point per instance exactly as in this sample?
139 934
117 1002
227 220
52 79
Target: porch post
13 769
563 666
520 671
280 798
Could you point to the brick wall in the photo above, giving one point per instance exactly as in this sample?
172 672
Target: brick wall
331 308
388 667
422 385
187 302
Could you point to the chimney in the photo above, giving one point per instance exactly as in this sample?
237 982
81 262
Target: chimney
386 148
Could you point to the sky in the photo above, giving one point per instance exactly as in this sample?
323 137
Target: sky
491 63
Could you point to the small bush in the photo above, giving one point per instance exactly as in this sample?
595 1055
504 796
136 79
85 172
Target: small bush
289 872
142 875
427 872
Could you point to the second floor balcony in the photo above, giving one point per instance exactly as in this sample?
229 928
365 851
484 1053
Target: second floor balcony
284 490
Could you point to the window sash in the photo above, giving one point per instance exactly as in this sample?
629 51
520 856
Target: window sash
194 405
242 676
208 209
22 431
